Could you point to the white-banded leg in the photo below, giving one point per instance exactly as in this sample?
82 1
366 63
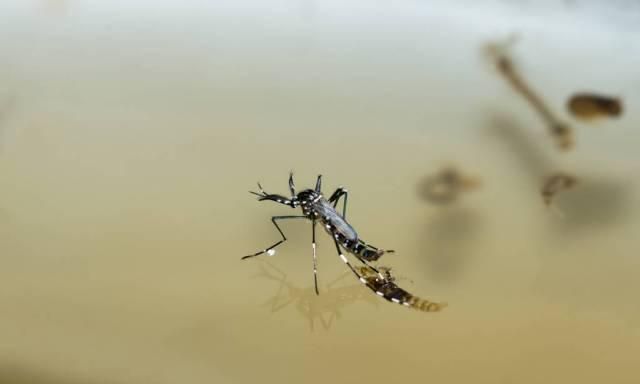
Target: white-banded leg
262 195
270 250
352 268
315 260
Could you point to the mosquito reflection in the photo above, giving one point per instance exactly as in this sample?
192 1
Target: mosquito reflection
325 308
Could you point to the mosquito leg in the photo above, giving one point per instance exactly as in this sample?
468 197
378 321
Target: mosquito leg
315 261
374 248
284 238
366 252
360 277
262 195
335 197
351 267
363 261
319 183
292 186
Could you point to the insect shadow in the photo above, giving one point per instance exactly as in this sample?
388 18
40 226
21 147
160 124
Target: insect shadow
499 53
325 308
448 241
594 201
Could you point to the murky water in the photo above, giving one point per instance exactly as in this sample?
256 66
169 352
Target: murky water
131 133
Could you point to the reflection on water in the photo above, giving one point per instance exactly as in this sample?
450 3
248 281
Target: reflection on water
594 202
16 374
522 146
325 307
449 241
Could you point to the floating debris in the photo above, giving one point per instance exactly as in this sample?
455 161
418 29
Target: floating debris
445 186
590 106
556 183
562 133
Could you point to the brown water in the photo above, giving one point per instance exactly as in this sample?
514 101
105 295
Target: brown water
131 133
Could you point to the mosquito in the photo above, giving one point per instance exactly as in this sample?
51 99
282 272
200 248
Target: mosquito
317 209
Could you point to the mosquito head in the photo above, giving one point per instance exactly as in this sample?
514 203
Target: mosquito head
307 195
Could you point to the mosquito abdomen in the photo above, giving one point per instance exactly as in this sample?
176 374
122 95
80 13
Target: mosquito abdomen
424 305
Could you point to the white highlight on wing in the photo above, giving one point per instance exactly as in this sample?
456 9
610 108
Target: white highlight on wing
271 252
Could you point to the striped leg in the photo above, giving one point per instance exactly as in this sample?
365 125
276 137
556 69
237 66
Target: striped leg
270 250
315 260
346 261
262 195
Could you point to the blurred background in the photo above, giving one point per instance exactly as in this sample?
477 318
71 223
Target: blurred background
131 131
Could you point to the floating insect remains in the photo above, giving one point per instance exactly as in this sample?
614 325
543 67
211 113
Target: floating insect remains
447 185
561 131
591 106
556 183
318 209
385 286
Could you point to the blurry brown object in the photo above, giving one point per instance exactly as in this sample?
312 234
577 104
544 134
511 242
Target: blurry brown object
558 129
556 183
445 186
589 106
